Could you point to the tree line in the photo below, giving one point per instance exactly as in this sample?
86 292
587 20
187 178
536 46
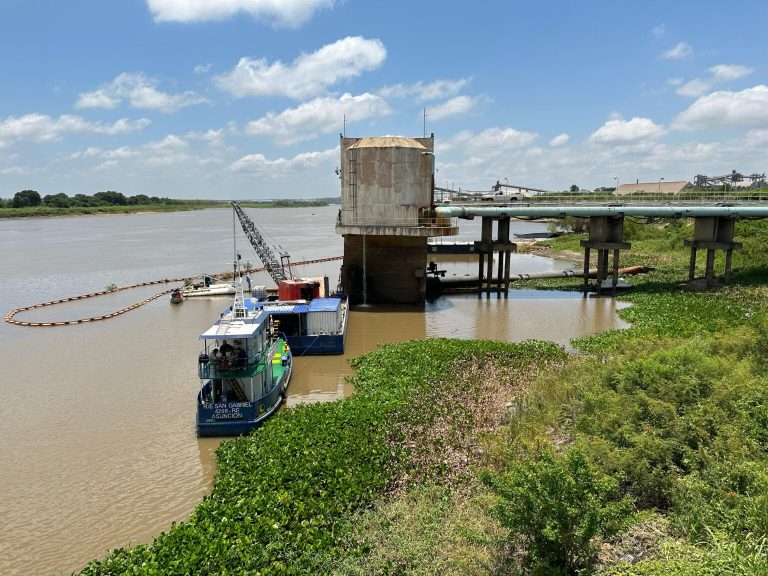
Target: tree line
31 198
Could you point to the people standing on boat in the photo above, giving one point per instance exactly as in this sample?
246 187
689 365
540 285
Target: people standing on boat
241 357
225 348
218 359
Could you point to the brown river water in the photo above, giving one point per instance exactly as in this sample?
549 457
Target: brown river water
97 420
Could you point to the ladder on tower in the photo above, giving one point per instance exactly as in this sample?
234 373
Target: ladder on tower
275 268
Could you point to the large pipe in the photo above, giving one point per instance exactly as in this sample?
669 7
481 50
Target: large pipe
581 211
542 275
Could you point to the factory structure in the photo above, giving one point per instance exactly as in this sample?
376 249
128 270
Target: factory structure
386 216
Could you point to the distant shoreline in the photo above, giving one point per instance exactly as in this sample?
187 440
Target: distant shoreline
112 210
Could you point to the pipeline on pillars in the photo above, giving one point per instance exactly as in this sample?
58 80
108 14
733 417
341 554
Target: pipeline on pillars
712 233
487 247
606 236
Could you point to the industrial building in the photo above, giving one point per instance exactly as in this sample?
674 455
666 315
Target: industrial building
658 187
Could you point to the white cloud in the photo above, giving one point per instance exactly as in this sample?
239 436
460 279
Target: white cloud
559 140
259 164
43 128
659 30
309 74
202 68
725 72
674 81
14 171
321 115
756 138
726 109
289 13
454 106
422 92
679 51
618 131
140 92
486 147
717 75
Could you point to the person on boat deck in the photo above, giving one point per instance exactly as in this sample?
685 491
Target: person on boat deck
240 357
218 358
225 348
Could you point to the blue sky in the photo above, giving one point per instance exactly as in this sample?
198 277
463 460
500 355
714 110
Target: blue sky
246 98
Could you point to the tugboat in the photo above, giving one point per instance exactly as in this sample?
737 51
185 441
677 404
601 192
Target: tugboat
244 368
177 296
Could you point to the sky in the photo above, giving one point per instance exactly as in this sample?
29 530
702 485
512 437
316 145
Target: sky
246 99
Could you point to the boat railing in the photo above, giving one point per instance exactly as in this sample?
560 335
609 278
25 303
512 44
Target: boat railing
228 367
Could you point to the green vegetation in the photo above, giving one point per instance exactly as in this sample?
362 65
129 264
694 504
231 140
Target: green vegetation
29 203
290 203
557 507
285 496
645 455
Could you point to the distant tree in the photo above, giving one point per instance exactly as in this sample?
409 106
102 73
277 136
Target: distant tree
84 200
26 198
574 187
111 197
138 199
59 200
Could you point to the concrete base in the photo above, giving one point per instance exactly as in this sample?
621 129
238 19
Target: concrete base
603 251
712 233
384 269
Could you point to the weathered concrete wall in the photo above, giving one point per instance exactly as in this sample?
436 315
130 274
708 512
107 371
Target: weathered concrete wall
393 267
385 181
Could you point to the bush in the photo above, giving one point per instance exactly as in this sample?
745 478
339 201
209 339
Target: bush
557 506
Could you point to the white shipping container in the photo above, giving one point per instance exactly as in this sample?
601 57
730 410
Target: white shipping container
324 322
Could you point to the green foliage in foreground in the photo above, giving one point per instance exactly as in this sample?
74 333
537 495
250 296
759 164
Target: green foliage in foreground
285 495
559 508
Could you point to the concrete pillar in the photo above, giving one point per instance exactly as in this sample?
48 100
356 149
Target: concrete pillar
507 262
392 270
489 274
712 233
487 247
606 233
692 265
481 261
586 269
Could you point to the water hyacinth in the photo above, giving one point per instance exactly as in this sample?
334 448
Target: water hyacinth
284 495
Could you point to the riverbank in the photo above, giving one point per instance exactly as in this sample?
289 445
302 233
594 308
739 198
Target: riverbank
176 206
430 465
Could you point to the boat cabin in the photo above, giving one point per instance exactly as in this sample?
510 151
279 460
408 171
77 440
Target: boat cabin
243 361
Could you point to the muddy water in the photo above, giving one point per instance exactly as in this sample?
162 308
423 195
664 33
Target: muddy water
97 420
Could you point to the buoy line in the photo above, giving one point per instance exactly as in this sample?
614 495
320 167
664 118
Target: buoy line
11 320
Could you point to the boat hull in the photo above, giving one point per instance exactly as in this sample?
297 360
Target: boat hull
325 344
238 418
212 290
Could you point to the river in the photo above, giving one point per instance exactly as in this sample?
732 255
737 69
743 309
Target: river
98 443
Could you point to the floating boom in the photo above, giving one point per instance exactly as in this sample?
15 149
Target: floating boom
275 268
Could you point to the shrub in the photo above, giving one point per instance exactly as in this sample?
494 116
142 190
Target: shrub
557 506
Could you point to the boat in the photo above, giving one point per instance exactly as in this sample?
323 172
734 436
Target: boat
313 320
177 297
244 368
206 287
314 327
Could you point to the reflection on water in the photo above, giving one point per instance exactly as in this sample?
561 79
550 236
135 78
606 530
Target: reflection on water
97 419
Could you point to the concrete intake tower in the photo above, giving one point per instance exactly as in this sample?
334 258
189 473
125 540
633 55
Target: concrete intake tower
387 214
